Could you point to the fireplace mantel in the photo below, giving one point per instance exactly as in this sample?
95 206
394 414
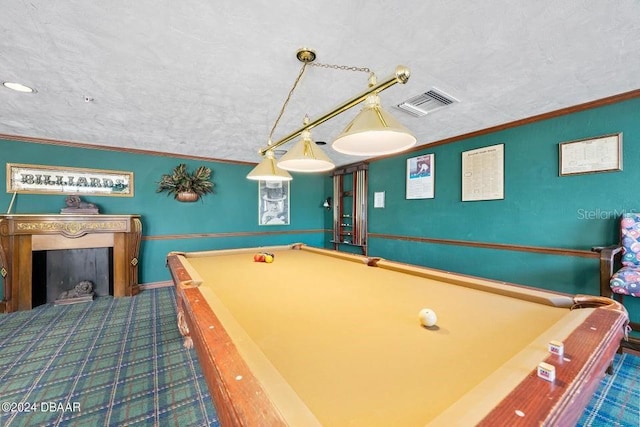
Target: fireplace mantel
20 235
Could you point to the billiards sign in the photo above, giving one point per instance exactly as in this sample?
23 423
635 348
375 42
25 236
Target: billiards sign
68 180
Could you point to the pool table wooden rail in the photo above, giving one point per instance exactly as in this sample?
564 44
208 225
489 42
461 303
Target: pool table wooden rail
587 356
241 400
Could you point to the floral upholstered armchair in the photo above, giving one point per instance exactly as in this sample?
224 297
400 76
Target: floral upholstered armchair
620 264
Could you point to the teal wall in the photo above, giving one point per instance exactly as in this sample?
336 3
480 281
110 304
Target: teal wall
540 208
232 209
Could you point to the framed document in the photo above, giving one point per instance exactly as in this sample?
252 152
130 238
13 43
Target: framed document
601 154
483 173
421 171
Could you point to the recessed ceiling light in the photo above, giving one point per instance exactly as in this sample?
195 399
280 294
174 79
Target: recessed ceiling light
18 87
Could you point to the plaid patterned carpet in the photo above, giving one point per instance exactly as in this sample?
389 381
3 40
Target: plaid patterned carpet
121 362
617 400
111 362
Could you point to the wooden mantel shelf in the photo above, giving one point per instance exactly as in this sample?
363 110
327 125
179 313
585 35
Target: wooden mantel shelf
21 234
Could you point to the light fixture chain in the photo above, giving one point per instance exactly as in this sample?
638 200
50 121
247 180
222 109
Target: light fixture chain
340 67
295 84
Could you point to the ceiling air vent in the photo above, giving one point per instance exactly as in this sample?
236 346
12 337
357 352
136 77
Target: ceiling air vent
425 103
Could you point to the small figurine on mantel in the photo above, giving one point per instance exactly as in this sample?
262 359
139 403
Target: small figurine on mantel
75 205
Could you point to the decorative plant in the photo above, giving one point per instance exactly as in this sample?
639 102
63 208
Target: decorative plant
186 186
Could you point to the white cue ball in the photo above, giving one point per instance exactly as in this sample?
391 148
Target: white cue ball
427 317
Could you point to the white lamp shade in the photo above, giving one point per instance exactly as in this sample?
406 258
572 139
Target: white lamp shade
267 170
374 132
305 156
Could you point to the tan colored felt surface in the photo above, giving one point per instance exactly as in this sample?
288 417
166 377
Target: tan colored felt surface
346 339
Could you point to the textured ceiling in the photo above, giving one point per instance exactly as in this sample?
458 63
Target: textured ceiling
208 78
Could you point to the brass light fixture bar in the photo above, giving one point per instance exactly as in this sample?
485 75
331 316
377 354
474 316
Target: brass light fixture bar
401 75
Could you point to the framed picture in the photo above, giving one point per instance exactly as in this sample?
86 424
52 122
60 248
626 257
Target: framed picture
421 172
39 179
273 202
483 173
601 154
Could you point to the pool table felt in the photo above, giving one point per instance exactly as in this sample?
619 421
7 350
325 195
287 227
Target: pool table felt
344 338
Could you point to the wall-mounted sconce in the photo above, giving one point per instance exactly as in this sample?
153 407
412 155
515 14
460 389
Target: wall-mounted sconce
327 203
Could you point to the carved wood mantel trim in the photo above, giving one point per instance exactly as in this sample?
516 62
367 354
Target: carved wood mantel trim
21 234
70 229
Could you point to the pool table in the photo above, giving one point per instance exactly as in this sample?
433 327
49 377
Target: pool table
321 337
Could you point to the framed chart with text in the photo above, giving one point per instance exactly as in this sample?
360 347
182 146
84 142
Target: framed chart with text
601 154
483 173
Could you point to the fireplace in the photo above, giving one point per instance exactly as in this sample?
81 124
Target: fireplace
23 238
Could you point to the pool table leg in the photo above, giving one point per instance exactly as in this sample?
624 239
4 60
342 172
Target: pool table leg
609 370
